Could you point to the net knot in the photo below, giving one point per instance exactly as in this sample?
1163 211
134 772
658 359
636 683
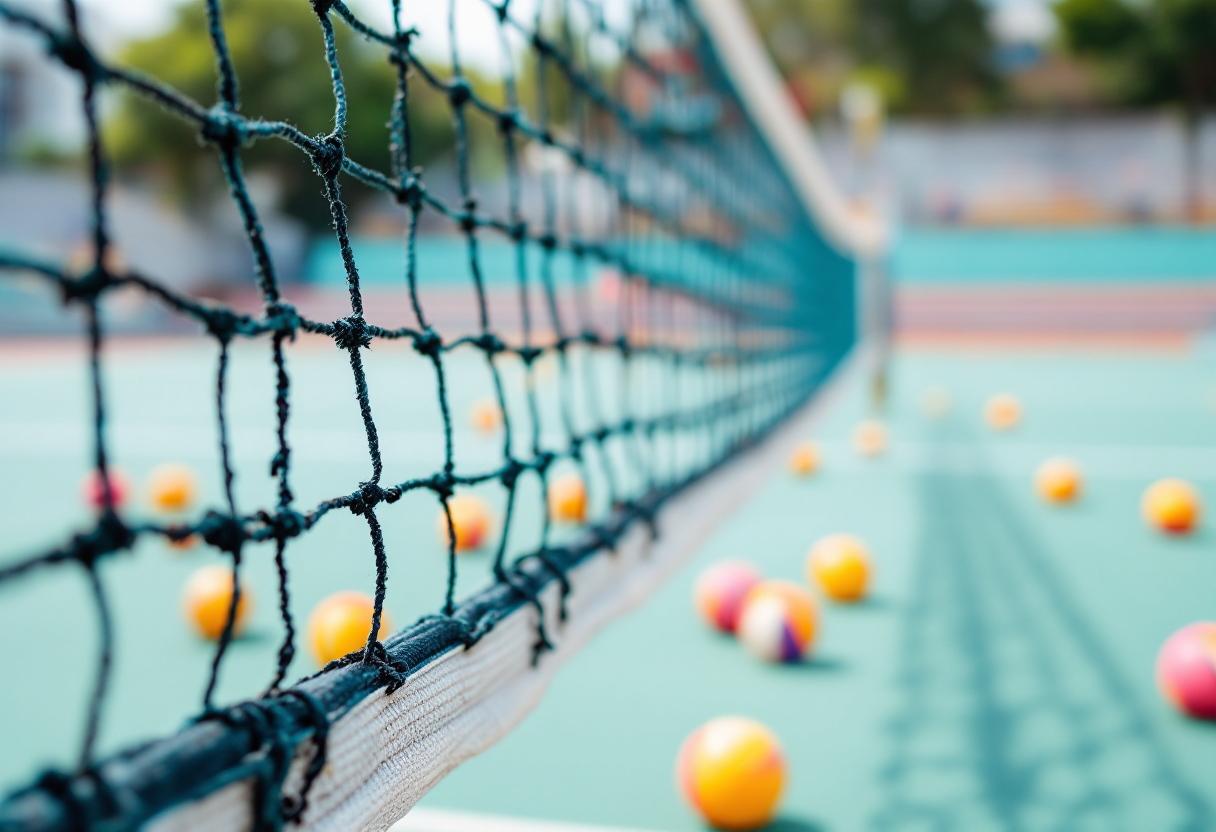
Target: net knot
428 342
511 472
400 52
75 55
352 332
529 354
412 192
547 241
543 460
223 127
223 531
490 344
286 523
591 337
459 92
442 484
282 317
322 7
221 322
508 120
88 286
502 9
577 248
622 344
327 155
627 426
109 535
368 496
293 806
518 231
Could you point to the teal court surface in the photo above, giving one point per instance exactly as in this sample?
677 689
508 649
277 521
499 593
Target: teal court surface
999 678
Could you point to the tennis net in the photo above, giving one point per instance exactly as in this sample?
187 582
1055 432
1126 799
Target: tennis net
643 145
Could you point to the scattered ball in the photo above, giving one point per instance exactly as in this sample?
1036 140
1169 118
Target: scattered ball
1003 412
870 437
840 565
720 590
172 487
92 490
340 623
208 597
1058 480
485 416
471 519
1172 506
731 771
936 403
568 499
778 621
1186 670
805 459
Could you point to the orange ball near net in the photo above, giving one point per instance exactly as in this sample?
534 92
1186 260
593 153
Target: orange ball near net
732 771
1058 480
1003 412
340 625
568 499
485 416
839 565
470 520
208 598
805 459
172 487
1172 505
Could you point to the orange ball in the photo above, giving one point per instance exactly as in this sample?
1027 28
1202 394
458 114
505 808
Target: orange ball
805 459
172 487
1003 412
778 621
840 565
568 499
471 519
732 771
1058 480
1172 506
208 597
485 416
870 437
340 623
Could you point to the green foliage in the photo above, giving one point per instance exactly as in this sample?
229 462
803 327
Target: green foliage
278 52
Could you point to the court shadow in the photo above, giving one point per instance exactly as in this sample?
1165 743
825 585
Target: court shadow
871 603
791 824
821 664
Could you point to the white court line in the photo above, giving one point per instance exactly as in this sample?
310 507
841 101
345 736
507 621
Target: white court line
422 819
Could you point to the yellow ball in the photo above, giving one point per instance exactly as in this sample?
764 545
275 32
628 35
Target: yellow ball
172 487
340 623
568 499
1003 412
208 597
840 565
731 771
1058 480
471 519
1172 506
485 416
870 437
805 459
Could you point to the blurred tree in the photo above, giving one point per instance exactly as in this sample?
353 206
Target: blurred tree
279 56
1154 52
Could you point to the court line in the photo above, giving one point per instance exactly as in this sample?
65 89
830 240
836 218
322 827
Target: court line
422 819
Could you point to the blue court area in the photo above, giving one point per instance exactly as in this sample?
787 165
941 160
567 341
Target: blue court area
1001 676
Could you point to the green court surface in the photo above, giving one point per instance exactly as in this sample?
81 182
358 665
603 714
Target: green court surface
1000 678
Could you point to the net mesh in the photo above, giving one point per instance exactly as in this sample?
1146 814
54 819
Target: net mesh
628 160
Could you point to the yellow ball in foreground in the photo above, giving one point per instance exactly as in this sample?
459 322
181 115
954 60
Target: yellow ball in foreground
870 437
1172 506
208 597
1003 412
731 771
805 459
470 518
568 499
840 565
172 487
1058 480
340 624
485 416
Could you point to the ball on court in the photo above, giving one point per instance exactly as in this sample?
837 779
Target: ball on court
805 459
1172 506
208 597
1186 670
840 565
470 519
172 487
870 437
92 490
1058 480
720 591
778 621
731 771
1003 412
340 624
485 416
935 403
568 499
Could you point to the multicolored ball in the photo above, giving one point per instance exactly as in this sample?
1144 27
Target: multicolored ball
840 565
92 489
778 621
720 591
731 771
1171 505
1186 670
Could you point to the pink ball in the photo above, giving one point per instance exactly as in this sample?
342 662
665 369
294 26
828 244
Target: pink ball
93 492
1186 670
720 591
